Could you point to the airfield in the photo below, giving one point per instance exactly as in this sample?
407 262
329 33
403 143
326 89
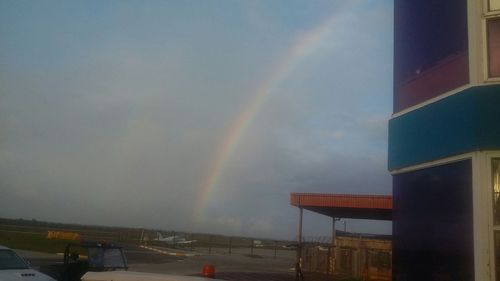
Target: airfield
239 261
239 265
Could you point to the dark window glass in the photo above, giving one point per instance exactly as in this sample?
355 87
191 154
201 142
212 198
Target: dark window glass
497 255
106 258
495 163
379 259
9 260
494 47
430 49
432 224
495 180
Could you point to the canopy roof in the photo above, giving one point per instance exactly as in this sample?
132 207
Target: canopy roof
372 207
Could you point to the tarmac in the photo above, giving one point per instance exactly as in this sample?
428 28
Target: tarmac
238 265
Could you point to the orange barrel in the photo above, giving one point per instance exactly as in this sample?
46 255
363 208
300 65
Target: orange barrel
209 271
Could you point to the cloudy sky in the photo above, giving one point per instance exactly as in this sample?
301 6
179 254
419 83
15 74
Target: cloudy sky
192 115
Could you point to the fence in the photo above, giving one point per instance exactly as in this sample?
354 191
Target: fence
204 243
366 259
220 244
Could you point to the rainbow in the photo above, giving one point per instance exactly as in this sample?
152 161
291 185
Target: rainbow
303 47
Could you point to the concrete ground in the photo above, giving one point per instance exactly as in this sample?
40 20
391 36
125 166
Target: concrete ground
240 264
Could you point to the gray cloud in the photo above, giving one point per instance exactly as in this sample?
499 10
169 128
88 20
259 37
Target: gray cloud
119 123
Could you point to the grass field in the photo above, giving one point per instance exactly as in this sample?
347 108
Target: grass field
32 235
32 241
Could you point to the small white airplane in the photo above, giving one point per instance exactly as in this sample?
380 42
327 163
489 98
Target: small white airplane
290 246
172 239
258 244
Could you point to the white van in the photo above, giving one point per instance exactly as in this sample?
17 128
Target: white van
15 268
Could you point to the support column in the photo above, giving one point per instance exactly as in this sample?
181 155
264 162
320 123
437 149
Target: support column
299 247
334 234
298 263
332 257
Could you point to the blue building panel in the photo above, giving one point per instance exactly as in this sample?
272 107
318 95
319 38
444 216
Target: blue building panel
461 123
433 224
430 49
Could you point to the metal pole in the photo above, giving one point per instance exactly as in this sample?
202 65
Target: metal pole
298 264
334 234
328 262
300 232
331 254
210 245
142 237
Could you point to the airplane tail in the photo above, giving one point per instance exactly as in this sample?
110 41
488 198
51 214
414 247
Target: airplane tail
159 235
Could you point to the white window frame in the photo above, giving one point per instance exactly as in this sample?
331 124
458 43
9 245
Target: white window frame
484 240
487 6
486 208
487 15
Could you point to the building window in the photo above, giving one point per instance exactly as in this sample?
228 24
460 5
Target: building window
497 255
379 259
495 164
495 180
494 47
494 5
430 49
432 223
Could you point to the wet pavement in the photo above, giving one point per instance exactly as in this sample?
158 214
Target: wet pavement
254 276
239 265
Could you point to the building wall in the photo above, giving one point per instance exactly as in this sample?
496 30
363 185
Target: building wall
430 49
432 228
444 140
463 122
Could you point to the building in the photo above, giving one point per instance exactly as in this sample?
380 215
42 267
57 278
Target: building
365 257
353 256
444 140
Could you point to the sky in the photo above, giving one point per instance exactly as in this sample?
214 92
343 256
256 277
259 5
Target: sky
197 116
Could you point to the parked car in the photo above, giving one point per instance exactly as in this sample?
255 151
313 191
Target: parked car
15 268
138 276
87 256
101 261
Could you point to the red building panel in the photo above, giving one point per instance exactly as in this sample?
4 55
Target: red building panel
341 200
447 75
